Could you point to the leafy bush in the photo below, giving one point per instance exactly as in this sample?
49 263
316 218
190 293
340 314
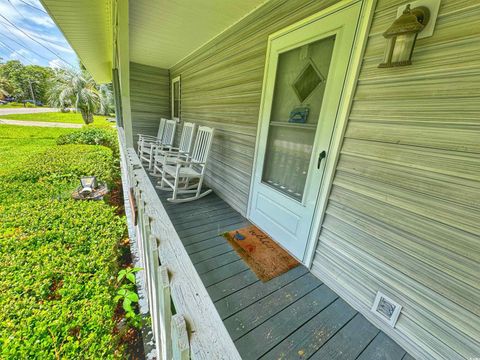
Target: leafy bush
127 293
92 135
69 162
56 264
55 172
58 257
19 143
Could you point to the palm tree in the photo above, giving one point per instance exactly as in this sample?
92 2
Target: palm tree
107 105
76 88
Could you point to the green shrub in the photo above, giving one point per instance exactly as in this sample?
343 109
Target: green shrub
55 172
57 262
91 135
58 257
69 162
20 143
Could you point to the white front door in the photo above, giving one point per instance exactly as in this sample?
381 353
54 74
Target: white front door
304 77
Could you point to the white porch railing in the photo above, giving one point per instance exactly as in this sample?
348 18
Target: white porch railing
196 330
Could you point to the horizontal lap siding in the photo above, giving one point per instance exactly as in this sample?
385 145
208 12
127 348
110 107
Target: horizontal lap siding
149 98
404 212
221 86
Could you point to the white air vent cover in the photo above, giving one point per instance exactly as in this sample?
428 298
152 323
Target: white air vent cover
387 309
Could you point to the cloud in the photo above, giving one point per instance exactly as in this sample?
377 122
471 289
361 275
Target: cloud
56 64
24 12
23 55
34 24
23 52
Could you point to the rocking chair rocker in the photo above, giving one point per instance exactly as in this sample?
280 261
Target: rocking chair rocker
179 176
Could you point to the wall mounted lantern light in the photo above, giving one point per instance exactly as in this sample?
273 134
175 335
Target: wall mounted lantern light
402 35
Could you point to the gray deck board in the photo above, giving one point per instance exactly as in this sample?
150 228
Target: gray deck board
223 272
382 348
264 337
206 218
217 226
216 262
189 214
231 285
210 253
293 316
205 244
259 312
255 292
314 333
194 238
349 342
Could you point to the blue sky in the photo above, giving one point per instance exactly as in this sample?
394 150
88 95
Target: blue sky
29 16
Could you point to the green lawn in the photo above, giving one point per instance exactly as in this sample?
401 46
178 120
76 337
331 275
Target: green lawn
58 257
72 118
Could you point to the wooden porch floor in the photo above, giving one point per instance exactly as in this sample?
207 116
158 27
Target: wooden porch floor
293 316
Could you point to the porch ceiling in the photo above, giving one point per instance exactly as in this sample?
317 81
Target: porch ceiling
163 32
87 26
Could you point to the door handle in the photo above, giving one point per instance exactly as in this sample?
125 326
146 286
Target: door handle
321 156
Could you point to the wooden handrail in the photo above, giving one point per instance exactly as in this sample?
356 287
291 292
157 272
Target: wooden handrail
207 335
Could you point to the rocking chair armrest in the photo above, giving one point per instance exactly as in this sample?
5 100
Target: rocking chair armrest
147 137
170 157
181 163
172 153
153 143
160 149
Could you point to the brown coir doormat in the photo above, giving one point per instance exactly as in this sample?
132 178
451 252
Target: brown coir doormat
263 255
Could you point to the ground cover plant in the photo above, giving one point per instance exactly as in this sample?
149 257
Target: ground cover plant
65 117
58 257
89 135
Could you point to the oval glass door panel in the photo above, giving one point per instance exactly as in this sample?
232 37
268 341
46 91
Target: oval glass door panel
300 82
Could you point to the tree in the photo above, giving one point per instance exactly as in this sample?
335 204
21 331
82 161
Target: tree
36 79
27 82
6 87
75 88
12 71
107 105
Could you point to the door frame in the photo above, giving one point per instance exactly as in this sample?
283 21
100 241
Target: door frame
356 55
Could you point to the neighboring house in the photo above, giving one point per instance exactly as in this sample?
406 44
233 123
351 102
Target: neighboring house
394 203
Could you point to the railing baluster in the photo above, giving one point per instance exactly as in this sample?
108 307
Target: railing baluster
165 307
156 321
181 348
170 332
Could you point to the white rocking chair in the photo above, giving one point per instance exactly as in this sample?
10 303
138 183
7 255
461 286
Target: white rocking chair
147 140
178 176
169 156
147 147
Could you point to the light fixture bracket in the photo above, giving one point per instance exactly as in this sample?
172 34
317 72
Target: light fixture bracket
433 6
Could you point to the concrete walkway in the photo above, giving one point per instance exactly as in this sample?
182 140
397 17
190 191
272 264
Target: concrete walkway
7 111
40 123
